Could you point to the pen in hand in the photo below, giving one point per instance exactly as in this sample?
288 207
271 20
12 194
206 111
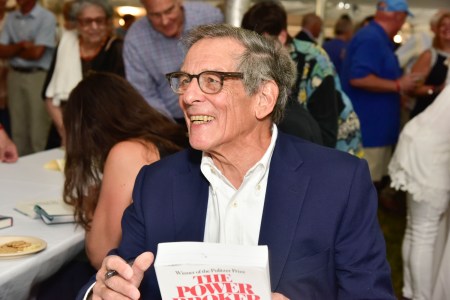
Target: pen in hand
112 273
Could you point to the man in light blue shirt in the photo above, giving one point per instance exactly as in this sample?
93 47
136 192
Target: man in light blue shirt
28 42
152 48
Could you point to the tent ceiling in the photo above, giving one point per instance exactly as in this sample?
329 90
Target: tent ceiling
422 9
430 4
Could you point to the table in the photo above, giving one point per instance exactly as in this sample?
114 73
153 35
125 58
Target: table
23 181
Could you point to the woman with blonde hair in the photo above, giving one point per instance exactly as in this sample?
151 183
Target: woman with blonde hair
421 167
433 64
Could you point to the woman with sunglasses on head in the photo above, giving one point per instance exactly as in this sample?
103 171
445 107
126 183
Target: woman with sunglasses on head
91 46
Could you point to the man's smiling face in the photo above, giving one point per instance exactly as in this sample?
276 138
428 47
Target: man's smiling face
219 121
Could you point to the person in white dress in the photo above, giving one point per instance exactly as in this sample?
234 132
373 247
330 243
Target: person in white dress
421 167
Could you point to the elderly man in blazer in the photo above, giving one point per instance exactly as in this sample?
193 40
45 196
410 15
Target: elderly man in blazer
245 182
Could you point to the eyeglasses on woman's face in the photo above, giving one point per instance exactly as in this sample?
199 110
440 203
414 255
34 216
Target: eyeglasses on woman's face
85 22
210 82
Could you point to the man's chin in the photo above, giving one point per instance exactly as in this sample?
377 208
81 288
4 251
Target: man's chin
196 144
170 33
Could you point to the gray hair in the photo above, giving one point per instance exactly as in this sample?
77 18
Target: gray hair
79 5
263 59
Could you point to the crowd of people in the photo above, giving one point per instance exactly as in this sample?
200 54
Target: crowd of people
143 139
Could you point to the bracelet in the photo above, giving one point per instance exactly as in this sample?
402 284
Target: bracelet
397 86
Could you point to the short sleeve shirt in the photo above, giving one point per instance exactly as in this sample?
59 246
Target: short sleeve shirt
372 52
38 26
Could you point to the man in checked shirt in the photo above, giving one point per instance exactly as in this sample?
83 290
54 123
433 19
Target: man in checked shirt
152 48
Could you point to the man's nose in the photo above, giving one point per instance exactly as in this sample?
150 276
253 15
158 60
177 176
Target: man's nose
165 19
192 93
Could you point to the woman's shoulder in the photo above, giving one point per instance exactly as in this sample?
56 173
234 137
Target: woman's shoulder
129 150
113 42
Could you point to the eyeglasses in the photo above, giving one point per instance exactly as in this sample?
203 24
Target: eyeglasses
84 22
210 82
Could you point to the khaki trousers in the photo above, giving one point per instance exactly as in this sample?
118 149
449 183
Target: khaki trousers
378 159
30 122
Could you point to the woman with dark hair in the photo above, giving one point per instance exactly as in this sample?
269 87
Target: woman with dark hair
111 133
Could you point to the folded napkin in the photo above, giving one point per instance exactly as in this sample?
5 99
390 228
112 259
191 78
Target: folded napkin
67 72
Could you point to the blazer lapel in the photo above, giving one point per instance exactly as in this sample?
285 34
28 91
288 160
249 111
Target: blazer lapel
190 200
285 194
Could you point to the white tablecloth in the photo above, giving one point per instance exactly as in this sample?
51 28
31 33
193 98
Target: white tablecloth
27 180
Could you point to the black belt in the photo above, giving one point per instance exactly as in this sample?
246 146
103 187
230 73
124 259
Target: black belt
27 70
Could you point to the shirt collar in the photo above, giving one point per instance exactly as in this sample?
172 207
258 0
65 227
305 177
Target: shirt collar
308 33
382 32
263 162
34 13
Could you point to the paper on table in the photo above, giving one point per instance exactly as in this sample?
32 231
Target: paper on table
55 165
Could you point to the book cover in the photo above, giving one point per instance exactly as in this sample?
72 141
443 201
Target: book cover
5 221
55 213
52 206
27 208
197 271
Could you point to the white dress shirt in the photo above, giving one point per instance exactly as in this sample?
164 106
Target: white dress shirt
234 215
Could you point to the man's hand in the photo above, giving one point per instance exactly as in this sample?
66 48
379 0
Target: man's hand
125 284
410 82
8 150
26 44
278 296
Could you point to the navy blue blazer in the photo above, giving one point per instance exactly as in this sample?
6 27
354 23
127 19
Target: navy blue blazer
319 221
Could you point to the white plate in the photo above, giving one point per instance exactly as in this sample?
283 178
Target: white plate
36 245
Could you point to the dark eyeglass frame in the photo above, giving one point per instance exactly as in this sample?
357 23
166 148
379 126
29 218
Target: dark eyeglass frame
221 75
100 21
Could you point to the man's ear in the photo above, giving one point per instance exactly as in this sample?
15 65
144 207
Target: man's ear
282 37
267 98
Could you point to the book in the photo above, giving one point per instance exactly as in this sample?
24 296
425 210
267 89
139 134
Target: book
5 221
55 213
197 270
27 208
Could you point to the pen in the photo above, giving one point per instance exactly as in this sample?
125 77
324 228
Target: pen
112 273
